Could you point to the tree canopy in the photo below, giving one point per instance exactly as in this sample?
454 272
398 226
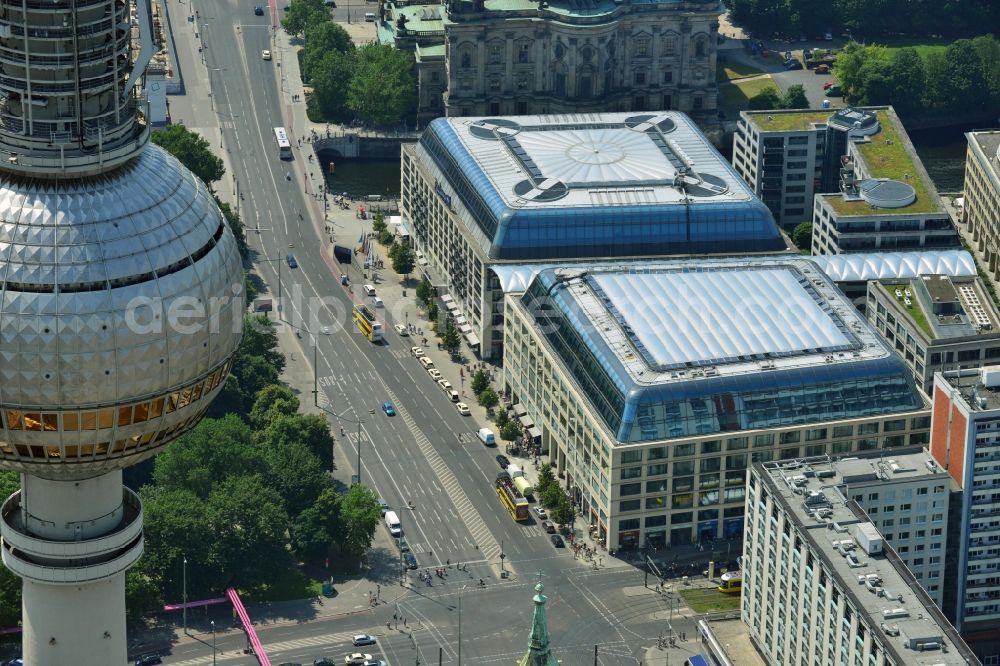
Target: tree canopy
302 14
402 258
802 235
192 150
323 37
382 90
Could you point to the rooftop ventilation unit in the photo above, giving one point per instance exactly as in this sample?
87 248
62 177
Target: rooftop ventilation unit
890 631
893 613
990 376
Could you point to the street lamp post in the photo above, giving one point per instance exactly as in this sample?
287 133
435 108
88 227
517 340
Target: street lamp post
213 642
185 593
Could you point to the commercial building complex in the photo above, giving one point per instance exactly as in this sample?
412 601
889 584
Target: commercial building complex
654 385
852 172
936 322
481 192
497 57
821 585
965 440
981 205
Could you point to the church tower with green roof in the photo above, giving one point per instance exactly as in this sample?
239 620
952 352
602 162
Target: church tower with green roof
539 653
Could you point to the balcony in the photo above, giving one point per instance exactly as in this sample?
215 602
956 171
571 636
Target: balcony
71 562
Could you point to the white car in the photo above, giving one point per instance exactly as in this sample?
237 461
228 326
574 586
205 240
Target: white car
357 659
540 512
417 351
402 330
462 408
444 384
434 373
452 395
326 330
265 54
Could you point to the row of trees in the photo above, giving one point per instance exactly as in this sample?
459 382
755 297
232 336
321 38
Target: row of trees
400 254
771 98
374 83
865 18
552 496
963 77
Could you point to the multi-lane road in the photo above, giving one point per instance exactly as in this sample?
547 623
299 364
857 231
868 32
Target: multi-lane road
427 454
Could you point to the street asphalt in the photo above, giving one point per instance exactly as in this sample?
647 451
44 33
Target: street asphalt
426 454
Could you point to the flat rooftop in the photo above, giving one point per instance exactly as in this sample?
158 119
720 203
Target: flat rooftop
944 307
719 344
988 141
977 396
813 502
788 121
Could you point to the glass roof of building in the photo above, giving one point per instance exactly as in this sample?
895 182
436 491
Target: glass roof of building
682 348
679 318
618 184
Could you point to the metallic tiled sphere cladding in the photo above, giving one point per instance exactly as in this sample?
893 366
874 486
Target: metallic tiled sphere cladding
97 370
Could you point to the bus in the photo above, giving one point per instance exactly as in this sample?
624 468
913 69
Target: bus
511 497
284 147
732 582
367 323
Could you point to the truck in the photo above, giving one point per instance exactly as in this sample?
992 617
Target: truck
511 498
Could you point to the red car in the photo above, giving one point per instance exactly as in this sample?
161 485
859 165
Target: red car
829 84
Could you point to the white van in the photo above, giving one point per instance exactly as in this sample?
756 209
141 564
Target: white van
370 17
392 522
487 437
377 302
369 290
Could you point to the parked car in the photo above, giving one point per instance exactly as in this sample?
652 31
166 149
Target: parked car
383 505
444 384
462 408
452 395
822 69
402 330
792 65
503 461
411 562
402 545
434 373
827 86
362 639
147 659
541 513
417 351
557 541
388 409
548 527
356 659
265 54
375 662
324 662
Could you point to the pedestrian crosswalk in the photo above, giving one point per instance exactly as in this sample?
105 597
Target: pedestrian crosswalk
321 643
481 534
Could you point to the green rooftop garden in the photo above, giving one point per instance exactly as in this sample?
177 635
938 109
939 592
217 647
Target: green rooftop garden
913 310
887 157
788 121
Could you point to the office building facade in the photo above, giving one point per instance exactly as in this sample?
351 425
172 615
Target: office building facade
653 414
981 206
822 587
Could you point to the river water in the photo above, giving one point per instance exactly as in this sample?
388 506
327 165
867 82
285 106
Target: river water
942 152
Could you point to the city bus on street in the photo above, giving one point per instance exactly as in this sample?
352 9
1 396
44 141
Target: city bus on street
284 147
368 323
511 498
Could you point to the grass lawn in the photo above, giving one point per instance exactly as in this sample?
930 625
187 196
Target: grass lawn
914 309
730 70
735 95
710 600
923 45
293 584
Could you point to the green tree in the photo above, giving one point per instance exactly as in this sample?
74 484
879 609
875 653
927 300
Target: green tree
10 598
550 496
385 237
331 79
143 594
192 150
272 402
802 235
966 86
766 99
378 222
425 292
488 398
359 515
312 430
296 474
403 260
236 226
877 83
562 511
323 37
908 81
936 86
230 400
451 339
261 339
174 526
432 313
200 459
988 49
546 478
314 529
10 483
502 418
382 90
248 525
848 66
795 98
480 381
303 14
510 430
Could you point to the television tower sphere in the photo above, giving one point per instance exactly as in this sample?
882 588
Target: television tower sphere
121 306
